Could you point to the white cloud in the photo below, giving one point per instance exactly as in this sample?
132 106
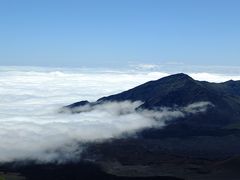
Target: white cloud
31 126
197 107
146 66
214 77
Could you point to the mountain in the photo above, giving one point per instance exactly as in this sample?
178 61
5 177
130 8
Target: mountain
198 146
180 90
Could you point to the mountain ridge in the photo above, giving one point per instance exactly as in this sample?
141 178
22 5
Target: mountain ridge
180 90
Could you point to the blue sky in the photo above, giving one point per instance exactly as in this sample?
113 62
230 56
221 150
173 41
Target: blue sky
118 32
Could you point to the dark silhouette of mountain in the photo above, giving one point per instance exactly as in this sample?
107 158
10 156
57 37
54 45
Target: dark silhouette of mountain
78 104
181 90
201 143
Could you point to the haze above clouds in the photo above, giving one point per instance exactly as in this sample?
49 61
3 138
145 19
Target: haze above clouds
31 126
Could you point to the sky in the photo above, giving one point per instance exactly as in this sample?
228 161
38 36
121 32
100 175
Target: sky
116 33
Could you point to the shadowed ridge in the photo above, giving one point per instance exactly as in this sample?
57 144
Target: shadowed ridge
78 104
178 76
151 89
232 87
180 90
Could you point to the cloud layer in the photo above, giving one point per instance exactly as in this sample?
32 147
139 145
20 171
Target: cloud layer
31 126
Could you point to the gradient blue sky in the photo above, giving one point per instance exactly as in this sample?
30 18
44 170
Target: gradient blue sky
118 32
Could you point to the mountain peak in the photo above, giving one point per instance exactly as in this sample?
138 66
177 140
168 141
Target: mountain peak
179 76
160 92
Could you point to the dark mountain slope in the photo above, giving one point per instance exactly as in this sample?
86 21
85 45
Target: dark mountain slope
181 90
155 91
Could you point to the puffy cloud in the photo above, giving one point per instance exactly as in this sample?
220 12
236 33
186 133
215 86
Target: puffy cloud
197 107
214 77
146 66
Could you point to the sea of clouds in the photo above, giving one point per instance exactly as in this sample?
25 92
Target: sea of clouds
30 99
